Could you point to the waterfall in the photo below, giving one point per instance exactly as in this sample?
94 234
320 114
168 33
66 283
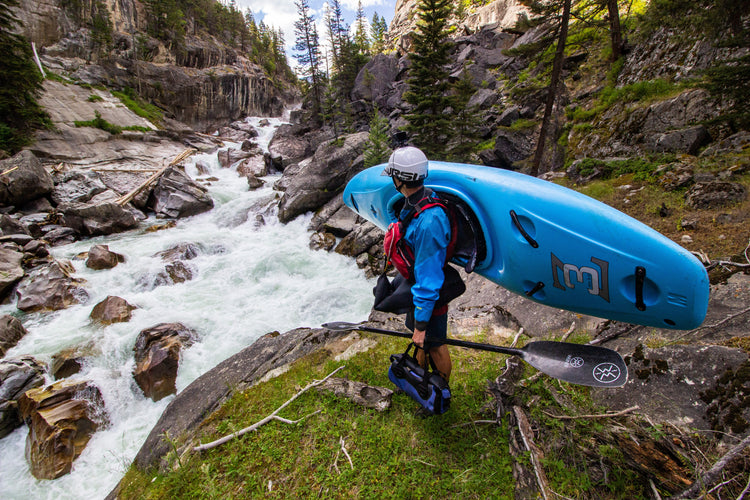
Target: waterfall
253 275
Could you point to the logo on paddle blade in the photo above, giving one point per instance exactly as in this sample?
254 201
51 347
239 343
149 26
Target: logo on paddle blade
606 373
576 362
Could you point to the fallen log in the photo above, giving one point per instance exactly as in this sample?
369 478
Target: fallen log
178 159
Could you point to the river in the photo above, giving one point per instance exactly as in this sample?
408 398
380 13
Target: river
250 279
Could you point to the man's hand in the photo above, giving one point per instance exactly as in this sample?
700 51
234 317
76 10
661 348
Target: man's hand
418 337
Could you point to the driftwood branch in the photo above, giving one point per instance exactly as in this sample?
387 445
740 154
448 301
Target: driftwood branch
714 472
536 454
515 339
272 416
601 415
178 159
346 454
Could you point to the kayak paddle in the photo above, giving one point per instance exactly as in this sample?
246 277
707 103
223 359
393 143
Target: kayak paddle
575 363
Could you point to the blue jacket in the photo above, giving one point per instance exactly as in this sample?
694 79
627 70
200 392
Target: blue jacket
428 235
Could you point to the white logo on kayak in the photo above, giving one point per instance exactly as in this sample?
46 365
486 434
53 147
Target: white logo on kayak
598 280
606 373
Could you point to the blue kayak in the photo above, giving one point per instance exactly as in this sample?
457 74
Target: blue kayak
556 246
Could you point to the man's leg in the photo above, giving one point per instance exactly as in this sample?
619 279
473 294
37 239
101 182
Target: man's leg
437 328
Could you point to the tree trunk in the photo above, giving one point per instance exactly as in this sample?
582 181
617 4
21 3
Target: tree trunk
552 90
615 32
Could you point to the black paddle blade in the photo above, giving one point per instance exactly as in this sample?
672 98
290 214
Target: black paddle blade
341 326
578 364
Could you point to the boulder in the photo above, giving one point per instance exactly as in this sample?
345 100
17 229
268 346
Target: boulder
50 288
180 251
11 331
97 218
680 384
24 179
360 240
688 140
322 241
714 194
228 157
177 195
511 146
17 376
332 165
76 187
112 310
287 147
61 419
101 257
254 166
70 361
157 355
375 78
11 270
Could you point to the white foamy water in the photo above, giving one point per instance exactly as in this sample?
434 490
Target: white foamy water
249 279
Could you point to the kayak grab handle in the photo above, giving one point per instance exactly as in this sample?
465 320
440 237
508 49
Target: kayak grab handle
523 232
640 279
536 288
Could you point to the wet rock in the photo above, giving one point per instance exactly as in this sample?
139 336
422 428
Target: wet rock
59 235
51 288
11 270
157 355
77 187
17 376
11 331
70 361
714 194
181 251
61 418
98 218
322 241
36 248
101 257
112 310
176 195
253 166
24 179
229 157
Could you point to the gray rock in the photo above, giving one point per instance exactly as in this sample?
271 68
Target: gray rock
17 376
375 78
11 270
50 288
688 140
97 218
330 168
24 179
714 194
11 331
77 187
101 257
177 195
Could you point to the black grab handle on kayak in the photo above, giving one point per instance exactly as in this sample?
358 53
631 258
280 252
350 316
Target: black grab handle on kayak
518 225
640 279
536 288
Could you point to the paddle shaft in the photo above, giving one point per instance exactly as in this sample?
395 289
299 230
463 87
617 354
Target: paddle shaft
455 342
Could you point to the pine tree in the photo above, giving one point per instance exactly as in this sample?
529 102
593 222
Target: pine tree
308 49
428 78
20 85
376 149
466 121
378 32
361 38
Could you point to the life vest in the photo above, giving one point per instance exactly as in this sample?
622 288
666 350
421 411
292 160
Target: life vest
398 252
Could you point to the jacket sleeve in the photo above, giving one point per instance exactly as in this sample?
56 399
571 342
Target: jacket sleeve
430 238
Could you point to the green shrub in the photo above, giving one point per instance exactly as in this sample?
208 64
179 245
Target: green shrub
99 123
138 106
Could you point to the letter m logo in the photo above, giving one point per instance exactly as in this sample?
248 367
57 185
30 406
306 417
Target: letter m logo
596 280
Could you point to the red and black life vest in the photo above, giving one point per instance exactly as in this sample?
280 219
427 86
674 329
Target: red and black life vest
398 252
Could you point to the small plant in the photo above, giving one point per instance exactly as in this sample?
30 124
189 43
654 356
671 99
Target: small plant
95 98
100 123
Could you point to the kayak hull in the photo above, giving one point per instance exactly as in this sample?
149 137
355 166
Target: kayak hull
559 247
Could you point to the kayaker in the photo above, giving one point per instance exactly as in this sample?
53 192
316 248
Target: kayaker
428 236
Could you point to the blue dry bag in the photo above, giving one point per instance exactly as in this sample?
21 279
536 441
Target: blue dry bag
425 387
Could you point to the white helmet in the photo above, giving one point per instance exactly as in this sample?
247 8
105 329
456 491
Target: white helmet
407 164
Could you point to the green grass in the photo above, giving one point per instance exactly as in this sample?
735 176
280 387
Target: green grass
101 123
138 106
394 454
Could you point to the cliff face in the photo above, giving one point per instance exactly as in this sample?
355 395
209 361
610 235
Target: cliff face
500 13
204 84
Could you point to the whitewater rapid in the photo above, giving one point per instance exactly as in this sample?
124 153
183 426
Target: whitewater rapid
250 278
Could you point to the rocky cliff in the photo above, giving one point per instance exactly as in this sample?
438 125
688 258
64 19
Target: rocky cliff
203 84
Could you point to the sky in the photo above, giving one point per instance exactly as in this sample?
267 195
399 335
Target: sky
282 14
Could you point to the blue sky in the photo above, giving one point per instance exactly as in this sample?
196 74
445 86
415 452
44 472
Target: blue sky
282 14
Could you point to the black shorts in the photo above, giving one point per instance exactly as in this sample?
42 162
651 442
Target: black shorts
437 329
